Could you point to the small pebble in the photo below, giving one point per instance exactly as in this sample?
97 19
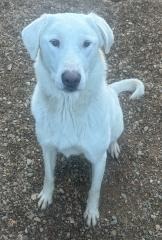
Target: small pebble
37 219
29 161
146 128
139 153
30 216
30 174
9 67
114 220
60 190
160 70
113 233
160 197
157 227
124 196
4 218
22 237
153 216
68 235
34 196
150 232
71 220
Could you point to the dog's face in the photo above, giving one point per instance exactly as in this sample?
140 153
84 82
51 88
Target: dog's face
68 44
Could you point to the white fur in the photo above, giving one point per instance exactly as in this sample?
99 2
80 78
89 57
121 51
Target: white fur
87 121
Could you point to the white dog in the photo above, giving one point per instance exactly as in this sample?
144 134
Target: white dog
74 109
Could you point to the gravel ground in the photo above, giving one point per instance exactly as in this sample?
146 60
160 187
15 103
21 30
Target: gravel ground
131 198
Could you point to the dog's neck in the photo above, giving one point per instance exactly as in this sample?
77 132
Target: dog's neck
96 82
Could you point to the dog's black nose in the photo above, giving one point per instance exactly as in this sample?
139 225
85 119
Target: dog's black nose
71 80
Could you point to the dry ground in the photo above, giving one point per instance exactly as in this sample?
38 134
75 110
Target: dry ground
131 199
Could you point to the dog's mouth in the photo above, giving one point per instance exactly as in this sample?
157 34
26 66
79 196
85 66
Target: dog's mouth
70 89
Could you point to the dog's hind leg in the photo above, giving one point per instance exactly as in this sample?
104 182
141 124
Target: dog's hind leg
114 150
45 196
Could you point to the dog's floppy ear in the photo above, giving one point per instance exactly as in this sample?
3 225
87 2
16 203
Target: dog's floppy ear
103 30
31 33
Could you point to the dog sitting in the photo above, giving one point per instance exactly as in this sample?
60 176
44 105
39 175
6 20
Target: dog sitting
75 110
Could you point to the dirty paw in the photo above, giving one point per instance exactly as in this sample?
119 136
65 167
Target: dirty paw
114 150
91 216
45 199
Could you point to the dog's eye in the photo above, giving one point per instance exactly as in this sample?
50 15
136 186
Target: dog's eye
55 42
86 43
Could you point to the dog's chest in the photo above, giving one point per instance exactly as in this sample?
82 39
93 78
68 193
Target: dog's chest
71 132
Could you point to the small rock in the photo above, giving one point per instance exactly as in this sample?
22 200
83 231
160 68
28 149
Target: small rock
114 220
4 202
160 70
157 227
160 197
71 220
113 233
4 237
146 128
9 67
22 237
68 235
34 196
24 189
124 196
31 216
29 161
153 216
30 174
139 153
28 83
150 232
60 190
4 218
137 173
15 183
37 219
12 222
41 229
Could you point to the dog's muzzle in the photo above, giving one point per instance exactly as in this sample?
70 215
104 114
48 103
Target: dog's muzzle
71 80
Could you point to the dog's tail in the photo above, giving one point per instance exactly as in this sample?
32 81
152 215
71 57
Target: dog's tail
131 85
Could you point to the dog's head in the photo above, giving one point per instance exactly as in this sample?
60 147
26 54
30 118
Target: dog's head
67 45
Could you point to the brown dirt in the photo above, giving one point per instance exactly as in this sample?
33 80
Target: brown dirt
131 198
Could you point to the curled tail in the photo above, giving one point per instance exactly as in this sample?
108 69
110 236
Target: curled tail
131 85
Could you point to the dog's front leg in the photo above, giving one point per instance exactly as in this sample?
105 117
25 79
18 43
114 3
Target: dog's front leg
49 157
92 213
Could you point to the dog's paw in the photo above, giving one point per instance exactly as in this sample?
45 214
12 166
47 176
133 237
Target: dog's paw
45 199
91 216
114 150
